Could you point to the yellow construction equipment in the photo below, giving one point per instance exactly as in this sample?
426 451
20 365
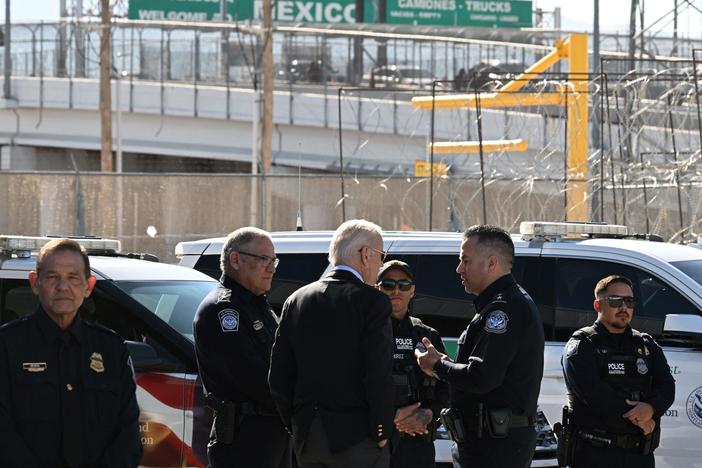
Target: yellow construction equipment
489 146
573 95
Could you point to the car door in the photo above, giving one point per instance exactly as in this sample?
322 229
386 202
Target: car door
565 293
164 393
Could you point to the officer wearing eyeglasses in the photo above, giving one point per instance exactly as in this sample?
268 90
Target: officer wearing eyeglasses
418 397
234 333
619 385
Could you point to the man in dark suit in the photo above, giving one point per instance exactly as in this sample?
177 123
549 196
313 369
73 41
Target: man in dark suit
331 364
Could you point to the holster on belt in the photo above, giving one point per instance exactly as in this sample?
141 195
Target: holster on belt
225 420
451 418
652 441
566 442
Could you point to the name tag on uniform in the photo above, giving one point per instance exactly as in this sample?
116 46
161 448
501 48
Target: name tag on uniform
34 366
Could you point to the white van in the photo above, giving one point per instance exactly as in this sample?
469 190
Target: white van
559 265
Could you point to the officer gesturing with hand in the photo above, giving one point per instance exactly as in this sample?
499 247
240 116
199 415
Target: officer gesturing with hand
494 383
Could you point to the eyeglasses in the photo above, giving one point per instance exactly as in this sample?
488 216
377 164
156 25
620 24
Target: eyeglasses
382 253
391 284
264 260
616 301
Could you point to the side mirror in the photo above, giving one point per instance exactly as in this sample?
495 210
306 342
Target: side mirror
684 329
144 356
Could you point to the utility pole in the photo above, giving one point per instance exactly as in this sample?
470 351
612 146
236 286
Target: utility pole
595 211
674 50
382 45
105 89
79 35
267 125
224 41
61 59
632 34
7 89
358 46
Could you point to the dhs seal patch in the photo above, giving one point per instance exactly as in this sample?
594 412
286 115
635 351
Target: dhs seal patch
229 320
641 366
572 348
694 407
496 322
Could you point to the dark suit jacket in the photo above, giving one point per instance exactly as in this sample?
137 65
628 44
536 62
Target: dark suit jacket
333 357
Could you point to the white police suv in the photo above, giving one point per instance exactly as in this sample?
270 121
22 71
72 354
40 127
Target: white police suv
151 305
559 265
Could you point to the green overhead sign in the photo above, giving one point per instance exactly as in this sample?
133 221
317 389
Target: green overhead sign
485 13
298 11
481 13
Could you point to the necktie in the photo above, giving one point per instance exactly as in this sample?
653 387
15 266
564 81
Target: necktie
71 417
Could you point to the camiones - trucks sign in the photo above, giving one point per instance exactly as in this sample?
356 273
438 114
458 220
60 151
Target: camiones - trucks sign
482 13
485 13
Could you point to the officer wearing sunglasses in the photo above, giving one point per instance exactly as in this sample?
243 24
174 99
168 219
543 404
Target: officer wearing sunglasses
418 397
619 385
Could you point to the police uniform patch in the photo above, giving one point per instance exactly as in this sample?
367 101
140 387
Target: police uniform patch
641 366
496 322
229 320
572 348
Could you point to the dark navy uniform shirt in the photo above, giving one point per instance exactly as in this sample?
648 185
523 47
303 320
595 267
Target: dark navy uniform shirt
407 332
500 355
48 399
234 334
602 370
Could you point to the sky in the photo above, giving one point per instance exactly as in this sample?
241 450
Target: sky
576 14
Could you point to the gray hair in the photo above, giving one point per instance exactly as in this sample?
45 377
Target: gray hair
350 237
238 239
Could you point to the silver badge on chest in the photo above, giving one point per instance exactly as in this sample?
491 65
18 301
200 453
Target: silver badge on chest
641 366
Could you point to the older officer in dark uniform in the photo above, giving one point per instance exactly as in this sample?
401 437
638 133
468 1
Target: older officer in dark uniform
419 398
67 391
331 365
619 384
234 331
495 380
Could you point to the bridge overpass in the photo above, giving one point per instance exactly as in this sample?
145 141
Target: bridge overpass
381 132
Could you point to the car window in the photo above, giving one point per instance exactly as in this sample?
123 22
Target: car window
440 300
692 268
574 284
18 300
293 272
174 302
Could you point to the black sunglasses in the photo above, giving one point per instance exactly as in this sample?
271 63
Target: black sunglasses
616 301
391 284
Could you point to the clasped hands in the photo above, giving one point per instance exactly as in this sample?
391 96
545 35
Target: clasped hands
412 419
641 415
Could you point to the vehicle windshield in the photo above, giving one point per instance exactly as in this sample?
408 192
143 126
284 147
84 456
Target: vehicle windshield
692 268
175 302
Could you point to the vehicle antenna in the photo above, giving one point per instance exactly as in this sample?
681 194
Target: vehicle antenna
298 226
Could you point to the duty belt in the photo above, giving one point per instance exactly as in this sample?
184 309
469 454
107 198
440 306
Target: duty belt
246 408
516 421
606 439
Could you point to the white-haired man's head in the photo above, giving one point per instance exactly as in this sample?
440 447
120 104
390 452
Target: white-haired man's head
358 244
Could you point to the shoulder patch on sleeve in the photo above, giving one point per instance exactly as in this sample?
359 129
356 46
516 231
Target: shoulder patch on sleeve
496 322
229 320
571 348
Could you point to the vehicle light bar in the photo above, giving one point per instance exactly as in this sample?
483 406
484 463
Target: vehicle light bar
530 229
14 244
